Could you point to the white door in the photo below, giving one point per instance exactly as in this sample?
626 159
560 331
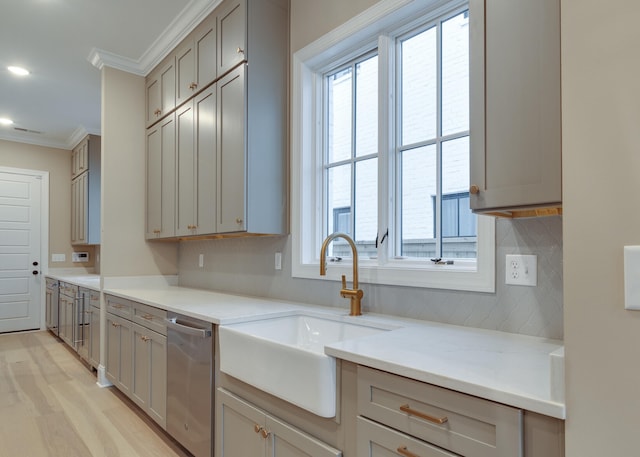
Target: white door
20 278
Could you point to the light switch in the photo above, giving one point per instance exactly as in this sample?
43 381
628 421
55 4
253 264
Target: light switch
58 257
632 277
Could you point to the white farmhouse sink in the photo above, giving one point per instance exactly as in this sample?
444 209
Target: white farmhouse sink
285 357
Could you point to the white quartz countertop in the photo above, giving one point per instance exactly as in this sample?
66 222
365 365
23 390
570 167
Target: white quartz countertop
498 366
88 280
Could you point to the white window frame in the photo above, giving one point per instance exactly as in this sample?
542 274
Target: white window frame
353 38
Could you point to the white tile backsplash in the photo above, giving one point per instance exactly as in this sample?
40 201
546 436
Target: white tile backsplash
245 265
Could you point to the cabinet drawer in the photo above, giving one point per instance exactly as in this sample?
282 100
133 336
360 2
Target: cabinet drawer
470 426
375 440
150 317
119 306
70 290
94 298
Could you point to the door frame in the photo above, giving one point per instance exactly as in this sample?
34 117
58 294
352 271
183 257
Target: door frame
44 228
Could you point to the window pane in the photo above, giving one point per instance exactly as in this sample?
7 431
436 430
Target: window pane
455 74
366 206
418 191
455 180
339 116
367 107
449 217
419 87
338 194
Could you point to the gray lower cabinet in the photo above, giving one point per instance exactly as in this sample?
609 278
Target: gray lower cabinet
400 416
515 96
243 430
136 344
438 421
119 354
93 324
375 440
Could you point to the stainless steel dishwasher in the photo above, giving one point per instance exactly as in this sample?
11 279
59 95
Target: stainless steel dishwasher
190 383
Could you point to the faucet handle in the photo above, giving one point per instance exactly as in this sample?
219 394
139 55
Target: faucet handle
344 282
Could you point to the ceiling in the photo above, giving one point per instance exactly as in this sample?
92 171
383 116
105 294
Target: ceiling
64 44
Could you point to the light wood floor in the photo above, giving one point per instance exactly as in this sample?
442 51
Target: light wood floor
50 405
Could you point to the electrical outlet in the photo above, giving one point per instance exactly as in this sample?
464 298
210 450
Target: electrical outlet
278 261
521 270
201 260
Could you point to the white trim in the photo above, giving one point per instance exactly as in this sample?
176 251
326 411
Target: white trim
44 228
176 31
307 64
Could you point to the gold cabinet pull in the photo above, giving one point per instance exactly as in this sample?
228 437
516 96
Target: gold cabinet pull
240 50
402 450
156 231
148 316
157 112
257 428
192 86
113 324
413 412
144 338
238 221
474 190
265 434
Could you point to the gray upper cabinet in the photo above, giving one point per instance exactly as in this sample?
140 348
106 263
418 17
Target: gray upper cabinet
161 167
230 135
161 90
196 173
515 105
85 191
196 61
232 34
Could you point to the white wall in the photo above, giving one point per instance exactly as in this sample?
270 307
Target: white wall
601 169
124 249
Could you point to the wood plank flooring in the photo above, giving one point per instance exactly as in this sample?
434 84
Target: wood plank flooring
50 405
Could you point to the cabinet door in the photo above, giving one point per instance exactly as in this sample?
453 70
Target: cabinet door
231 141
157 406
515 104
375 440
94 336
238 428
140 380
79 208
186 166
62 318
232 34
204 42
48 308
206 179
161 156
161 91
185 72
80 158
287 441
119 353
149 378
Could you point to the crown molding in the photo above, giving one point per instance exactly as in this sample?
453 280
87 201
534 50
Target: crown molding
34 141
176 31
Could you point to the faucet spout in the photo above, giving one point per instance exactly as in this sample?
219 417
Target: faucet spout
354 294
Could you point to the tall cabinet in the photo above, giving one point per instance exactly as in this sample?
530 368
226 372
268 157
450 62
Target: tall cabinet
85 191
230 128
516 158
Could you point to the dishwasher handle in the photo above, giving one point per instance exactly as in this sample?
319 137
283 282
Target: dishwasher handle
187 329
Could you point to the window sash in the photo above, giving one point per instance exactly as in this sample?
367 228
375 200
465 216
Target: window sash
342 45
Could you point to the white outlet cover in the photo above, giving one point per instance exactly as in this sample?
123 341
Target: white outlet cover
632 277
521 270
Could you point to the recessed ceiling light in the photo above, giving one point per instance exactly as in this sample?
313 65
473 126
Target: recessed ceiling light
18 71
5 121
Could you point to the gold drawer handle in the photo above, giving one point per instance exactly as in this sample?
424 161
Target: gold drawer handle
148 317
402 450
261 430
113 324
193 86
157 232
413 412
145 338
118 306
